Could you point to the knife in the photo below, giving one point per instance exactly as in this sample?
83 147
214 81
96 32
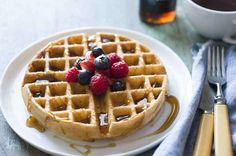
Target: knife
203 142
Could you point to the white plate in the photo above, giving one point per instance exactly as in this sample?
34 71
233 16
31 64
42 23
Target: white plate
16 114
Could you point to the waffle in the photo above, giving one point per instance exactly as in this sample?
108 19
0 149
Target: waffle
72 110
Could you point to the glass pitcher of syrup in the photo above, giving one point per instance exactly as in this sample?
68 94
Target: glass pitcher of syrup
157 11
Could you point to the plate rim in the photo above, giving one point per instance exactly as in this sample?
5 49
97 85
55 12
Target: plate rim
66 33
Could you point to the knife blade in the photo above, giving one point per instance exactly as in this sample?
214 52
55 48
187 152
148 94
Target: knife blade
207 98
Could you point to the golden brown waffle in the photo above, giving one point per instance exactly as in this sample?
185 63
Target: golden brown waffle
72 110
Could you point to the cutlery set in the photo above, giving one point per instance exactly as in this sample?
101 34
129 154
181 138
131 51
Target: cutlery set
215 114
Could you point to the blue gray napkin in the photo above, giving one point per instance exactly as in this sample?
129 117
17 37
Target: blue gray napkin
182 138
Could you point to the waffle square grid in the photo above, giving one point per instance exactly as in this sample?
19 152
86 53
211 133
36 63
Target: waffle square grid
72 110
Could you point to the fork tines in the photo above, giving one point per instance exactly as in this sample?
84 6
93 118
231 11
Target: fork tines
216 63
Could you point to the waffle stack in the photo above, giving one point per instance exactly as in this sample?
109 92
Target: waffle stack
72 110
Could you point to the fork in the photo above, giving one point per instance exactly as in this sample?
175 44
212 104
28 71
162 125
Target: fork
216 77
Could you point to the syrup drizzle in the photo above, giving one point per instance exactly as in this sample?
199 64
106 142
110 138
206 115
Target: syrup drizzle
156 85
129 51
32 122
122 117
172 100
139 109
38 94
87 148
61 108
44 80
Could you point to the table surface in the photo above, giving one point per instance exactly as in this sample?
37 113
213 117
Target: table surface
23 22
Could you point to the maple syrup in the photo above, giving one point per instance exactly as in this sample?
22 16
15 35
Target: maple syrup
55 68
156 95
156 85
139 109
77 106
85 121
157 11
87 148
141 86
38 94
61 108
46 79
32 122
130 51
122 117
173 101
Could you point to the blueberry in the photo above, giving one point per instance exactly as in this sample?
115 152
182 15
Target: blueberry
101 62
97 51
84 77
77 63
118 86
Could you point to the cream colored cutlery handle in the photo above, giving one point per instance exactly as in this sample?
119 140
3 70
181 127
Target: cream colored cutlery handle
222 135
205 133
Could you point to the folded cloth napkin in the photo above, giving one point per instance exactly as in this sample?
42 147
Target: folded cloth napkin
181 139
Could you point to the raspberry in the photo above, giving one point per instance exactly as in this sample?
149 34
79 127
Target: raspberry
72 75
99 84
113 57
88 65
104 72
119 69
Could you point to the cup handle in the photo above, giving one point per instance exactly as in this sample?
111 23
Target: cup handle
231 38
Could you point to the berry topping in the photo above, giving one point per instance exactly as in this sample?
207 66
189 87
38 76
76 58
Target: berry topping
106 72
88 65
118 86
129 51
99 84
77 63
97 51
113 57
89 56
101 62
94 70
84 77
119 69
72 75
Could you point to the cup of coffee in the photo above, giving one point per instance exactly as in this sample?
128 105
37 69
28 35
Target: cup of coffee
215 19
